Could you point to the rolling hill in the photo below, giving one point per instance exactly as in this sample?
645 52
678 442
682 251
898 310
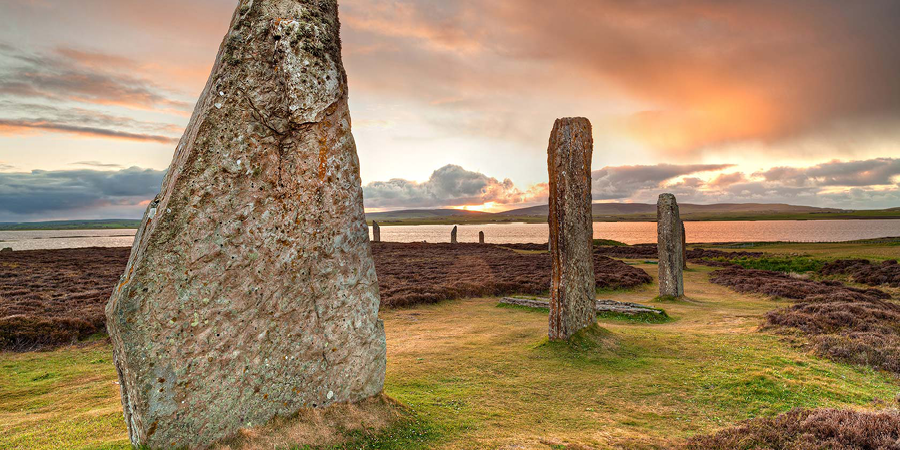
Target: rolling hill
617 209
416 214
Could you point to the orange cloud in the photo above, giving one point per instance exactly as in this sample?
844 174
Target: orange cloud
10 126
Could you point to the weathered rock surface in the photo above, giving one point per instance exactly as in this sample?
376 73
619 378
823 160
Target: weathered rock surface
481 237
376 232
251 292
572 287
670 235
684 257
453 234
600 306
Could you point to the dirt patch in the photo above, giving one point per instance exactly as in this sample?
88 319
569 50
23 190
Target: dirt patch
866 272
857 326
819 429
55 297
336 425
417 273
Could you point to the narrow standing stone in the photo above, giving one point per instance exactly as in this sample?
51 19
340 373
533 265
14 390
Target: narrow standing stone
683 246
572 285
671 251
251 292
481 237
453 235
376 231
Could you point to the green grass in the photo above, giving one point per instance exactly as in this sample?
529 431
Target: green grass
609 243
787 264
874 249
645 318
61 399
109 224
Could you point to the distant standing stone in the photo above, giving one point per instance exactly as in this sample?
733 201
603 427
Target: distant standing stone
670 235
683 246
481 237
376 231
453 233
251 291
572 285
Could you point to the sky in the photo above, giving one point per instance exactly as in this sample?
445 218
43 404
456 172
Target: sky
453 101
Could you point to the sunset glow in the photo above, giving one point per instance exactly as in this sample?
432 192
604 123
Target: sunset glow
453 101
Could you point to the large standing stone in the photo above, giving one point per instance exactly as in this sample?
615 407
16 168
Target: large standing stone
683 246
376 231
251 291
572 288
453 234
670 233
481 237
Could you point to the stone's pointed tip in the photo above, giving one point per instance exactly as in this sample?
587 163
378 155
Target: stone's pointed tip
573 121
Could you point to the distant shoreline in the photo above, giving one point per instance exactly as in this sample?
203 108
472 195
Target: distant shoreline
463 220
131 224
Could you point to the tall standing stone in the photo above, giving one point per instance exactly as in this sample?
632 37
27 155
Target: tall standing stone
572 288
670 234
376 231
481 237
453 234
251 292
683 246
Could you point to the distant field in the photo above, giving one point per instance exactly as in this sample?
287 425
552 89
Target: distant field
109 224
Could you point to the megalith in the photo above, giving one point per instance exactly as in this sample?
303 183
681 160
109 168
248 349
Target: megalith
572 285
453 234
670 236
481 237
376 231
683 246
251 291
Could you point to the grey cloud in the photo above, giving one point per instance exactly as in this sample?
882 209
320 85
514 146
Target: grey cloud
81 117
96 164
76 192
727 179
450 185
616 183
64 76
879 171
39 124
864 198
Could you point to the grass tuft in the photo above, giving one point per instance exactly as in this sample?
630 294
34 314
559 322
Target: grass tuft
784 264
